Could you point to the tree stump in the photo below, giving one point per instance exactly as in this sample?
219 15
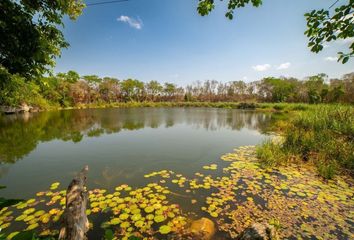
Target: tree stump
74 222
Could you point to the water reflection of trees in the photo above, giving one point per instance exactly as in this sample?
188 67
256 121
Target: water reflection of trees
20 134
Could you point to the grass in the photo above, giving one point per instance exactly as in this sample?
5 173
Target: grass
271 154
323 136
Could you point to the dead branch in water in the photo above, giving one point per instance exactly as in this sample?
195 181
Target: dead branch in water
74 221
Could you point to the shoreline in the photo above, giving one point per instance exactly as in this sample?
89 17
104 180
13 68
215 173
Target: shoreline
264 107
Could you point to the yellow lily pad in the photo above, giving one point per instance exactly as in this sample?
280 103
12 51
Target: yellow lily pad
159 218
165 229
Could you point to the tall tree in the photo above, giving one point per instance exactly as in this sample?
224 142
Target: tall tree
30 33
153 89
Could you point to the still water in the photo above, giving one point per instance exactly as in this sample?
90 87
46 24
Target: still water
118 145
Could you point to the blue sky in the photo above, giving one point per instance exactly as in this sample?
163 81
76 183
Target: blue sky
166 40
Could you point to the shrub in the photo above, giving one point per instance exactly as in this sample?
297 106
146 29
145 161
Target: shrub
278 107
245 105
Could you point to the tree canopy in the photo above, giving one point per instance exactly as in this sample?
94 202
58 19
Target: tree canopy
323 25
30 33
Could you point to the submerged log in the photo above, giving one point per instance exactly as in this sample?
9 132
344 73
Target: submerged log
74 222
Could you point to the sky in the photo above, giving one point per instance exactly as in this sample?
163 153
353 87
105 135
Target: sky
167 41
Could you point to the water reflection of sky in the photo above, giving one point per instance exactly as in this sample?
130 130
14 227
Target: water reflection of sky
119 145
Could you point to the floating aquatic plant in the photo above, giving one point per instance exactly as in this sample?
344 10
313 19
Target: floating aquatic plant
293 199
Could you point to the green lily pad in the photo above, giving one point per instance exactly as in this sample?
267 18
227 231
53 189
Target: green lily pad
149 209
32 226
136 217
139 224
125 225
29 211
165 229
115 221
159 218
123 216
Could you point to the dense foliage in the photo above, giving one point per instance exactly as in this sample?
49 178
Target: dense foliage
30 33
69 89
323 25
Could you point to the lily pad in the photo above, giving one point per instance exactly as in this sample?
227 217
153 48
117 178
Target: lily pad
123 216
165 229
159 218
149 209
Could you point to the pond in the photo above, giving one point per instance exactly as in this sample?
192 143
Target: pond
119 145
167 164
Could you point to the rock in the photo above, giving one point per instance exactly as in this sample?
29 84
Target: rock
259 231
34 109
25 108
11 110
203 229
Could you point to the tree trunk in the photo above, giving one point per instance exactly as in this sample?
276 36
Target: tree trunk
74 222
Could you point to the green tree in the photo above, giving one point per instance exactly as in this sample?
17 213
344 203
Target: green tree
109 89
280 89
70 76
322 25
316 88
30 33
153 88
132 89
14 90
92 79
169 89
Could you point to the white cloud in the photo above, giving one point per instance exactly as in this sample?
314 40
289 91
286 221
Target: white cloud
284 66
261 68
331 59
245 78
134 23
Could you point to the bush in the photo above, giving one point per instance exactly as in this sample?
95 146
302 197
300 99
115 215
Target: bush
245 105
15 90
278 107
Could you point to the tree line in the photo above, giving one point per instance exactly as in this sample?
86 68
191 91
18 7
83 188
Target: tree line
71 89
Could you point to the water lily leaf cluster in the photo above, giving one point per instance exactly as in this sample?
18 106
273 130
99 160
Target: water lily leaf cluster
292 198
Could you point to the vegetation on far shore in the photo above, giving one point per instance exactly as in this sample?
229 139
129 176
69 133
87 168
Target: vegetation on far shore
267 107
67 90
